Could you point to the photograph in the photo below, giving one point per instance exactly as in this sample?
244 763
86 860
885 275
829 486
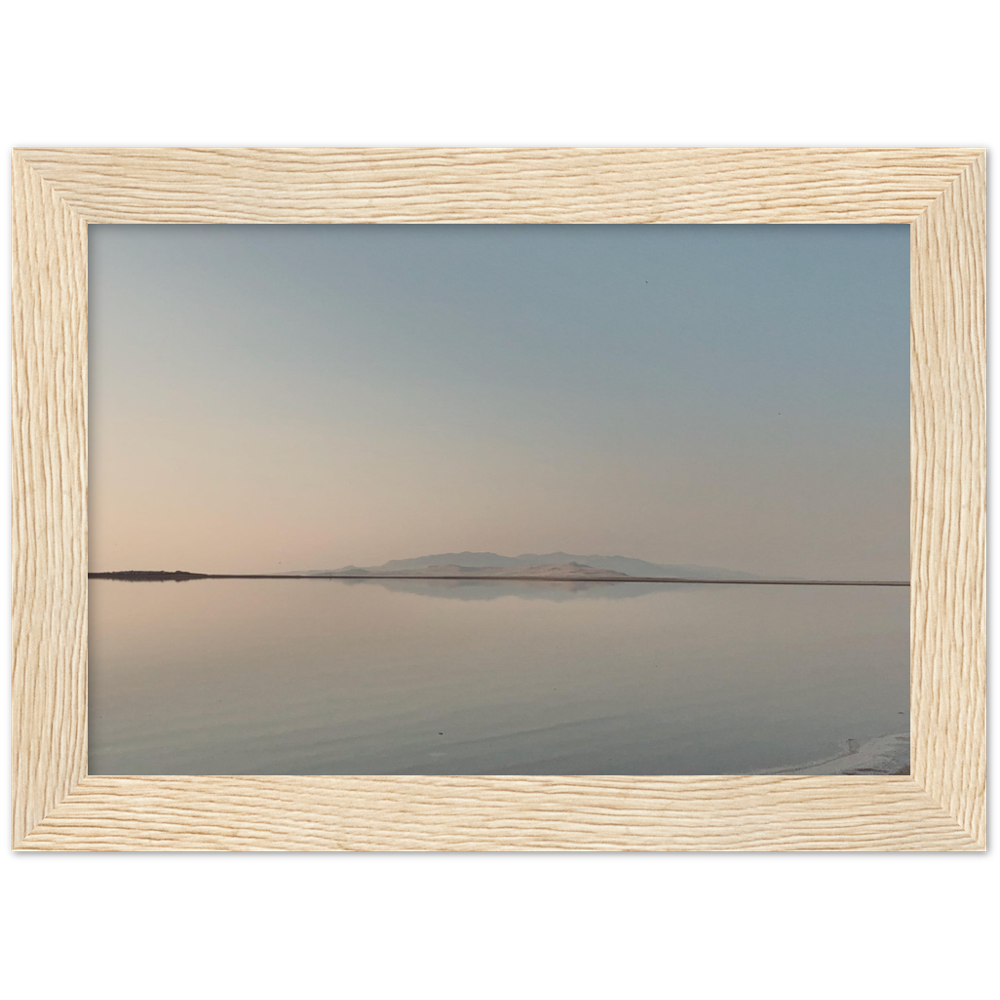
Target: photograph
499 499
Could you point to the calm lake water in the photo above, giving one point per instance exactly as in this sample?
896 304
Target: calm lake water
333 677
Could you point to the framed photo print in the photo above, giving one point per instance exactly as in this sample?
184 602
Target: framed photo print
499 499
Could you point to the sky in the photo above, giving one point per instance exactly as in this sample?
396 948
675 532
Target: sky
273 398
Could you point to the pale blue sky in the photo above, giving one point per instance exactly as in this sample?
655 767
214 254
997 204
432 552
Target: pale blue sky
284 397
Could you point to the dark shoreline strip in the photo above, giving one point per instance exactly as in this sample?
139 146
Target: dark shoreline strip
152 577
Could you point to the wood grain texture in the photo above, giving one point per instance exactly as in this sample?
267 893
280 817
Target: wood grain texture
499 185
49 482
948 498
941 807
484 814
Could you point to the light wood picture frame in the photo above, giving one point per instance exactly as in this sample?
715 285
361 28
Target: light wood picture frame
939 193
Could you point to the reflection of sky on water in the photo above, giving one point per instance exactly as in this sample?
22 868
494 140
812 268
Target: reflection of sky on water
337 677
533 590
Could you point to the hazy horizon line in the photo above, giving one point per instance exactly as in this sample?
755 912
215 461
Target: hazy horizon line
154 575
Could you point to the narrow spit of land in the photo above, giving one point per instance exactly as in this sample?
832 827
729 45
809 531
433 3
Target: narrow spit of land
154 575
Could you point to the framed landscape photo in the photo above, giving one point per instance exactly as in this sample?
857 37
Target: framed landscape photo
499 499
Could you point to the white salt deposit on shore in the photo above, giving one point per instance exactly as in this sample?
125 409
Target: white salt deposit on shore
883 755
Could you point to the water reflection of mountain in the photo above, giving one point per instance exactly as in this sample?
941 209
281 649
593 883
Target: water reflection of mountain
537 590
547 564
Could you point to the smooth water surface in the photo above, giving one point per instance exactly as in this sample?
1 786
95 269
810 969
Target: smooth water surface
334 677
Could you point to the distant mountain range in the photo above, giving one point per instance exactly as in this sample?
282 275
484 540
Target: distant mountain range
558 564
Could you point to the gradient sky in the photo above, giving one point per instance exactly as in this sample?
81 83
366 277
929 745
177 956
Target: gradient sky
304 397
